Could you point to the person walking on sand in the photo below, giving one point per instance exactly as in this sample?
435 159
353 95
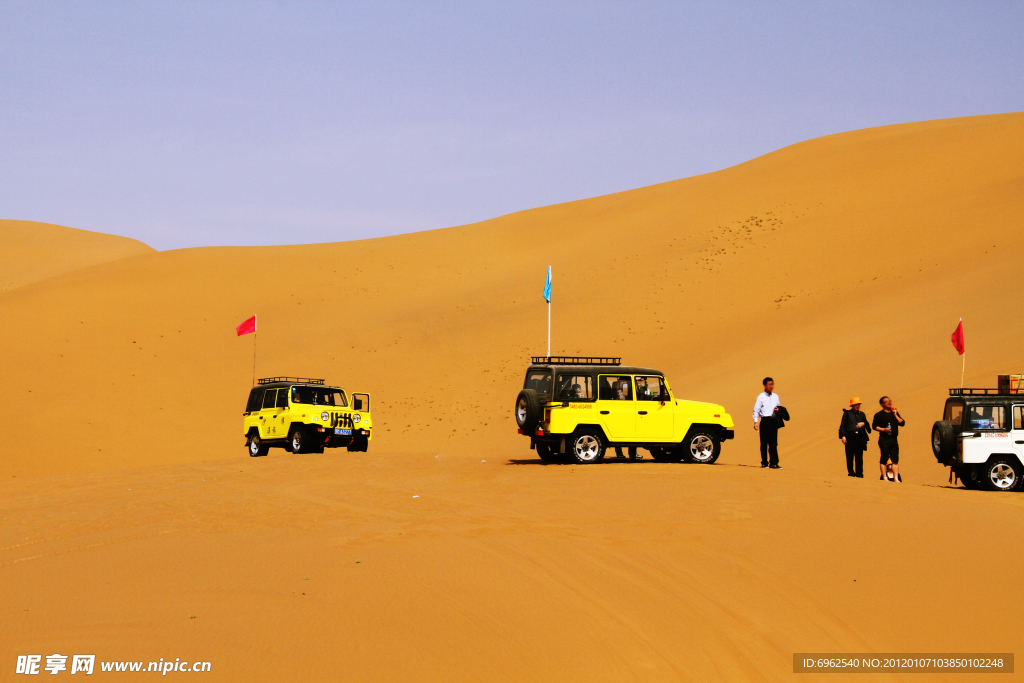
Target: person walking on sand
853 431
766 423
887 423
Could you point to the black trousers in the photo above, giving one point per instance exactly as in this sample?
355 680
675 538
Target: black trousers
854 458
769 441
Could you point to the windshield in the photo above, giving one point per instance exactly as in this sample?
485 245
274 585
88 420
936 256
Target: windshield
539 381
318 396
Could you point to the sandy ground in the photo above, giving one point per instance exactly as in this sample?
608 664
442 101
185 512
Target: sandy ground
31 251
839 265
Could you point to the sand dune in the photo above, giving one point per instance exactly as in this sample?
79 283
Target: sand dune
31 251
839 265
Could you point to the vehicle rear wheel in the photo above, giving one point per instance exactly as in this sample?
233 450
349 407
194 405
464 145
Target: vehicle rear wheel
665 454
545 453
256 447
968 476
1001 474
701 447
585 448
943 442
297 440
528 410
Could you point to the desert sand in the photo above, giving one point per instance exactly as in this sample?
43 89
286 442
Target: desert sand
136 527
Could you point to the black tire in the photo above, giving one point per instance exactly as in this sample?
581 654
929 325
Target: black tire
585 447
359 445
297 441
528 410
969 477
701 447
943 442
545 453
666 454
1001 474
256 447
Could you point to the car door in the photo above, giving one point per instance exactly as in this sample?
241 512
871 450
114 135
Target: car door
283 418
268 414
1017 433
655 413
615 407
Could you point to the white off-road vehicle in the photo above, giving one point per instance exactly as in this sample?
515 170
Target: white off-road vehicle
981 436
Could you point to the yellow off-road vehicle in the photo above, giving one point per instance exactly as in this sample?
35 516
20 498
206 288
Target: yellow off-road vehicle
572 408
304 415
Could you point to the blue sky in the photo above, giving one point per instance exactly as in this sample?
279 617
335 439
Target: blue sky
215 123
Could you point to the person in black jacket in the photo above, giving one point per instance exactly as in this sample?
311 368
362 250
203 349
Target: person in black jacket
853 431
887 423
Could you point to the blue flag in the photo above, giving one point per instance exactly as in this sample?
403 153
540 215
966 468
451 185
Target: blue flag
547 287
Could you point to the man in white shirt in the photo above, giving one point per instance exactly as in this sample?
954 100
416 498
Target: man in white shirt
766 423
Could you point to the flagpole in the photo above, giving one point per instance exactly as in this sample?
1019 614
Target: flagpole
549 329
254 359
963 366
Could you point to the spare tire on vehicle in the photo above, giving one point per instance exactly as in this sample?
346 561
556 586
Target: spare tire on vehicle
528 410
944 442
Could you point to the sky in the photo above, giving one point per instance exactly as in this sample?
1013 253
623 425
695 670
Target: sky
187 124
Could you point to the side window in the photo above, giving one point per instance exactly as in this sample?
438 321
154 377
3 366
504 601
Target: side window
615 388
988 417
954 414
302 394
575 388
651 388
1018 417
361 402
269 397
282 398
539 381
255 400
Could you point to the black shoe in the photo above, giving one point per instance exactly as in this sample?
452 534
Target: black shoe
860 476
850 474
764 465
775 467
881 477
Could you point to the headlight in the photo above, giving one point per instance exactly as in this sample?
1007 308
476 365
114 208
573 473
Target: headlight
357 418
325 416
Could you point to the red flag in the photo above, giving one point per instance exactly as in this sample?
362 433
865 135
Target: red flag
958 337
248 327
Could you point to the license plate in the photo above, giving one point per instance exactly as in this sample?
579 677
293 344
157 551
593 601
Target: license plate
343 432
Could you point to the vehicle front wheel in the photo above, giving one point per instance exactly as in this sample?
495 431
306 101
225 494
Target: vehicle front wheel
586 448
256 447
297 440
702 448
1002 474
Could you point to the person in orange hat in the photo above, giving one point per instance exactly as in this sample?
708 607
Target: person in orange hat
853 432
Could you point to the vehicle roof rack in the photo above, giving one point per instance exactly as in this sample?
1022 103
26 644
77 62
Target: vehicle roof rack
982 392
575 360
304 380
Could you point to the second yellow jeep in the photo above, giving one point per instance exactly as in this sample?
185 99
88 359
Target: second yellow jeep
572 408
